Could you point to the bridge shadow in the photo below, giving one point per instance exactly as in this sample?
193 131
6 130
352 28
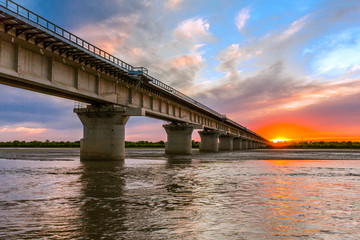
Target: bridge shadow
102 208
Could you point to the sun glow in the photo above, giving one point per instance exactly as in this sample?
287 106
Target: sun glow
277 140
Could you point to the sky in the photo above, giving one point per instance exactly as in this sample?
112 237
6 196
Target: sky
284 69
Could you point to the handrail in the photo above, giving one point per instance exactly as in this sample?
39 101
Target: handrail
61 33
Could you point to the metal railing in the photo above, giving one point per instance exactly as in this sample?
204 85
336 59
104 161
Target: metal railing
52 29
57 31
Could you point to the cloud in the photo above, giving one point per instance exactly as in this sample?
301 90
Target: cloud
180 71
267 74
172 4
355 68
293 29
193 30
241 18
22 130
29 115
325 119
139 38
118 30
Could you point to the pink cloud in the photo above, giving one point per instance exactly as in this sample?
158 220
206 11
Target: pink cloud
173 4
186 60
12 133
115 32
22 130
193 29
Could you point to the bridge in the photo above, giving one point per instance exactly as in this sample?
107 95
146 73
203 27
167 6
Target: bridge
40 56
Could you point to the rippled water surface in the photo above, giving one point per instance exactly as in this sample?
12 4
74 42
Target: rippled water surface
256 194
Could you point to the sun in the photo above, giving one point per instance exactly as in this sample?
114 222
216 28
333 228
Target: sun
277 140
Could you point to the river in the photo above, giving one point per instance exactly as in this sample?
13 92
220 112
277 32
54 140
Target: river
254 194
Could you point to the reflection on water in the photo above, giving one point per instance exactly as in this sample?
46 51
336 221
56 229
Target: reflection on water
206 196
102 199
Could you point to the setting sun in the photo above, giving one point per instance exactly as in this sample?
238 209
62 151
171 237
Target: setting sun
277 140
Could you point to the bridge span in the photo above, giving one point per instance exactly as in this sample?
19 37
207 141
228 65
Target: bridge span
40 56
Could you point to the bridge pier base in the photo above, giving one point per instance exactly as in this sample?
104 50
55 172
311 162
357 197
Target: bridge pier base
251 144
209 141
178 139
226 142
237 143
104 133
244 144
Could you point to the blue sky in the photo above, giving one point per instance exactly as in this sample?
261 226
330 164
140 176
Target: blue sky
260 62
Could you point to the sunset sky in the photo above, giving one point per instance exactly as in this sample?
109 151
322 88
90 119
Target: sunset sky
284 69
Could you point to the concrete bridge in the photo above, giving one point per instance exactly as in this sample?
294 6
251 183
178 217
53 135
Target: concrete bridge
37 55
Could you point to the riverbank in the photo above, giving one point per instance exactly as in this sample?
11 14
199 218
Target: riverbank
76 144
318 145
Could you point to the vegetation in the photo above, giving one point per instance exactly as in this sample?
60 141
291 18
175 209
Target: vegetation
40 144
76 144
320 144
144 144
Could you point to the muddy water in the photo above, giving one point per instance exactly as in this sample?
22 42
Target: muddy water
257 194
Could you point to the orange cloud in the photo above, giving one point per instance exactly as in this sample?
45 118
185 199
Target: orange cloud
186 60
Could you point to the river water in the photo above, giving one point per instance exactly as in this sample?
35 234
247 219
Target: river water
255 194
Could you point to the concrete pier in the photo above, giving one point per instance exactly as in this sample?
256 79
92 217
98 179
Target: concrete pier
209 141
244 143
226 142
249 142
104 133
178 139
237 143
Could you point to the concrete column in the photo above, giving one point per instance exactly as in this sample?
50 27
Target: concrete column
237 143
250 144
209 141
178 139
104 133
226 142
244 144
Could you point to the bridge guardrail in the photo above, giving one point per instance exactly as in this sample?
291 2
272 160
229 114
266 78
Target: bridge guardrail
61 33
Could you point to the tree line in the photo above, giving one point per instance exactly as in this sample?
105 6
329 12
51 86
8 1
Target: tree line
76 144
320 144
